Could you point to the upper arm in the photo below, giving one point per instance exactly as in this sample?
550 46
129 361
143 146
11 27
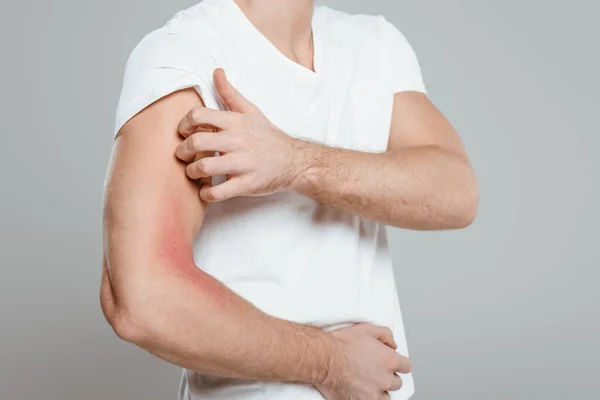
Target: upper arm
417 122
151 209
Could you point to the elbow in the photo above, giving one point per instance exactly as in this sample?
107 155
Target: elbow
455 207
127 320
449 210
467 216
466 205
129 327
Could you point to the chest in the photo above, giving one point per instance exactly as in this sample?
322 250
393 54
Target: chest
344 105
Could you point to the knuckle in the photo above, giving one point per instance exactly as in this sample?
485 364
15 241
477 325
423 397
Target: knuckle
204 166
193 142
211 194
229 97
207 194
217 193
196 170
195 114
190 170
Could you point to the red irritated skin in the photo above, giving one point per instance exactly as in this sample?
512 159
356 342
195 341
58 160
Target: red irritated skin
157 298
175 249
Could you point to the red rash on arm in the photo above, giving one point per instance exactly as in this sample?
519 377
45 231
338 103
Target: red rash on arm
156 297
175 249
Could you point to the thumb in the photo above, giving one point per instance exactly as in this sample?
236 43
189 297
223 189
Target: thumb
229 95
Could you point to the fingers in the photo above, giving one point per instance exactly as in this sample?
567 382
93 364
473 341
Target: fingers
202 141
211 166
403 365
384 335
202 117
395 383
224 191
229 95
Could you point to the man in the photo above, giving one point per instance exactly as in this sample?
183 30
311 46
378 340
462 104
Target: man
261 146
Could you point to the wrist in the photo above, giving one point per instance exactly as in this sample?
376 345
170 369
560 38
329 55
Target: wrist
316 352
327 352
303 166
308 353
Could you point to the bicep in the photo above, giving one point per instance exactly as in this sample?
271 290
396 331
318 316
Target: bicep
151 210
417 122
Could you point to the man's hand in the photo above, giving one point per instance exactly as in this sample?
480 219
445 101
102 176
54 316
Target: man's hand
423 181
256 156
366 366
154 295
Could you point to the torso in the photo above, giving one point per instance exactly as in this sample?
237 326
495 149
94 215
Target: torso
289 255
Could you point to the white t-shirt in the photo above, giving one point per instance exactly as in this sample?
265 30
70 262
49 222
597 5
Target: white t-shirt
289 255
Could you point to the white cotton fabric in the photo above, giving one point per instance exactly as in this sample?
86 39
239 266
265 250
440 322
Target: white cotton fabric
289 255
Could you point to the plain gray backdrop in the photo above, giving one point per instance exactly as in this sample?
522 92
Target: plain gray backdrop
506 309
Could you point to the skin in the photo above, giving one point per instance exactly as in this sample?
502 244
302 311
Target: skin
173 247
153 294
287 25
423 181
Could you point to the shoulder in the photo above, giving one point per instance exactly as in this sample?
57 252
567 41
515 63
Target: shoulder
186 40
374 41
180 54
380 50
362 32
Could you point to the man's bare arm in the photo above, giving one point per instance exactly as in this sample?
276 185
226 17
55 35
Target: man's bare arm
154 296
424 181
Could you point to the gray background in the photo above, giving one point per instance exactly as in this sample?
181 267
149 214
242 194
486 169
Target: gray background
507 309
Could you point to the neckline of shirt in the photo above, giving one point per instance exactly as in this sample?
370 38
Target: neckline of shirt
254 37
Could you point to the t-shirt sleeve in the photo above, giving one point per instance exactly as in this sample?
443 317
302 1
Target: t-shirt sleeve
405 71
163 63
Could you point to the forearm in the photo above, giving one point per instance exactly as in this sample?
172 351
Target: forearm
164 303
192 320
155 296
419 188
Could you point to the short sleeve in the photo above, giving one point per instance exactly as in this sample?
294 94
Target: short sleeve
405 71
162 63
